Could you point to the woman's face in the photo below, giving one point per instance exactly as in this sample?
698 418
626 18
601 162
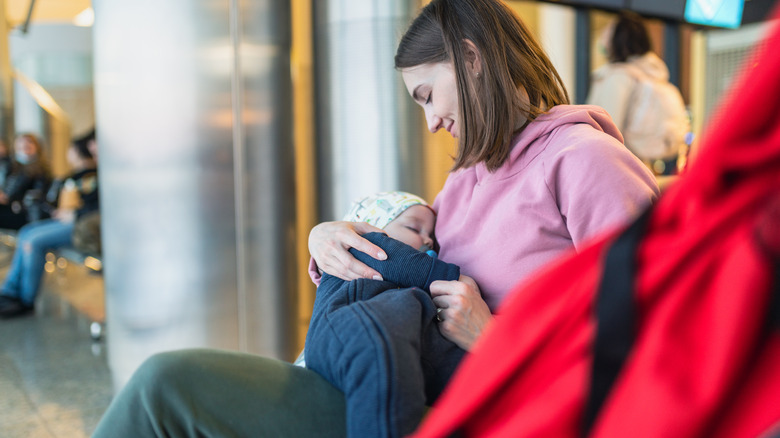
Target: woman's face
23 146
413 227
434 88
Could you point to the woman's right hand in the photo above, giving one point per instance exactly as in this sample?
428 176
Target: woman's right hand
329 244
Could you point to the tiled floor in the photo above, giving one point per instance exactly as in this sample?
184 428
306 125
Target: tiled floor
54 381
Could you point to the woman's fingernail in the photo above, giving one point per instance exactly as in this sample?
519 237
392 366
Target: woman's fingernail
378 277
382 256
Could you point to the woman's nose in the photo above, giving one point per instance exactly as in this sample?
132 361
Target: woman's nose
434 121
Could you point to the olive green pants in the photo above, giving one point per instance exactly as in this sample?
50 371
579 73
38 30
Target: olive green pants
209 393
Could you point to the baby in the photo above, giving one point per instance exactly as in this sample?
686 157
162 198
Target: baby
377 340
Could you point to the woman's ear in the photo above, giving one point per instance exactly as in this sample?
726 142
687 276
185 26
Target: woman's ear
473 57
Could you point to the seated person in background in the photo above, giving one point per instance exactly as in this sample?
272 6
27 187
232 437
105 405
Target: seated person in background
86 231
377 340
78 197
5 161
29 175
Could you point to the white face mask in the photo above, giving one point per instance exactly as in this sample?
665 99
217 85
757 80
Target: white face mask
24 158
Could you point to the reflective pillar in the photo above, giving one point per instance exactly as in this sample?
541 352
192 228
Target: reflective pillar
6 80
368 128
561 32
197 191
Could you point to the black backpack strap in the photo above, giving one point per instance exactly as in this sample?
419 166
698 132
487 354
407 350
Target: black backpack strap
767 237
774 303
616 317
768 225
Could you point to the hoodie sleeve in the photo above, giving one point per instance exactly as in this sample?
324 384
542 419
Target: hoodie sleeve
597 182
406 266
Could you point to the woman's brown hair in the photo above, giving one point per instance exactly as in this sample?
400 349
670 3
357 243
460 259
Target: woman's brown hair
41 164
40 153
491 106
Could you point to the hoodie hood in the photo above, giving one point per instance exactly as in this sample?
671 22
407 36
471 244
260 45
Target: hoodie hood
651 65
537 133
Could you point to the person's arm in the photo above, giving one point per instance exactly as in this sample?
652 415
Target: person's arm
17 185
329 243
406 266
598 184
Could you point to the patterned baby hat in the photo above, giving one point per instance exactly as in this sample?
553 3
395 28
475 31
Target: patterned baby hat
382 208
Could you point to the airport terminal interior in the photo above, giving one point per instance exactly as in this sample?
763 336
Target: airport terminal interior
225 131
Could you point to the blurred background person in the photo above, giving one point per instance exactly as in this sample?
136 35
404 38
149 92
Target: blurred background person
635 90
86 228
5 161
28 178
78 197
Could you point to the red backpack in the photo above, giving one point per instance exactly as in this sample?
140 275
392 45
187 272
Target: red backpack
668 328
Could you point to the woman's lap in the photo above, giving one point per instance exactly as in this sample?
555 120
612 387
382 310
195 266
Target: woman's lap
224 394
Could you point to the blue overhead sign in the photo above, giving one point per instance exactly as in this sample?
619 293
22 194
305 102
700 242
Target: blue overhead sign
719 13
715 13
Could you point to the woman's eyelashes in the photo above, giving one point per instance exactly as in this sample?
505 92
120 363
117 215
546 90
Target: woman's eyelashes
428 99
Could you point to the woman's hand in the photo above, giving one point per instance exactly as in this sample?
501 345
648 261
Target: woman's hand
464 314
329 244
65 215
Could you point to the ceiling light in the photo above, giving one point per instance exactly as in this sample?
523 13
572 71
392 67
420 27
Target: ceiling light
85 18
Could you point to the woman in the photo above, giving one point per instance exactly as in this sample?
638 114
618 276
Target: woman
20 288
506 119
29 175
5 161
533 178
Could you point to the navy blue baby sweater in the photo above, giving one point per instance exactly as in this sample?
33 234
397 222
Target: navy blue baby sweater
378 341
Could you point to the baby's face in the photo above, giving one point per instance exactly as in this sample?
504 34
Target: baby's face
413 227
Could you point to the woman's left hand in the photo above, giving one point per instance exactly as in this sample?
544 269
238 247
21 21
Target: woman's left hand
64 215
464 314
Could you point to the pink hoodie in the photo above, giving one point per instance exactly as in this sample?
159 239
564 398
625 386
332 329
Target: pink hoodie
568 178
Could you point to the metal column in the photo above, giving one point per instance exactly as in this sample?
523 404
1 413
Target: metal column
672 51
194 131
6 81
369 130
582 43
